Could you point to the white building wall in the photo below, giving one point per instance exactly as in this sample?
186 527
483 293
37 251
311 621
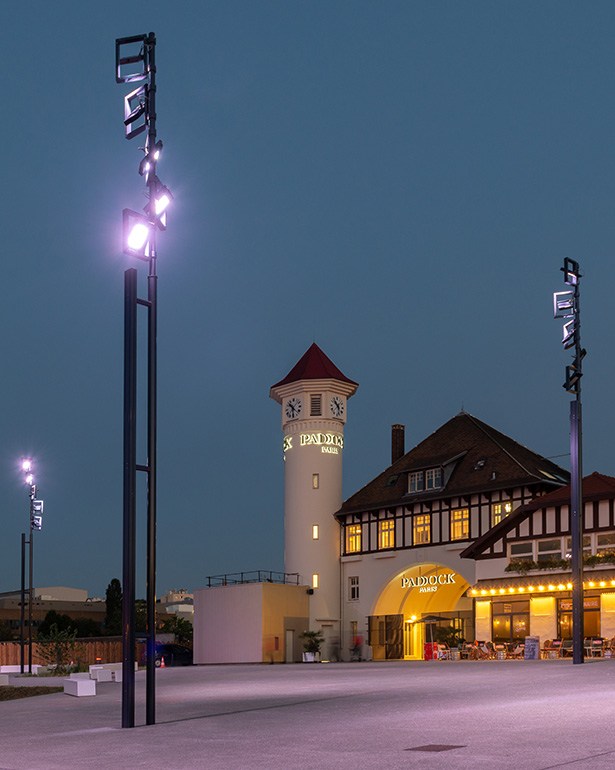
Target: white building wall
228 624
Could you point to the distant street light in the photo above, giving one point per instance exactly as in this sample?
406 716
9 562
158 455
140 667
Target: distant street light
135 62
36 523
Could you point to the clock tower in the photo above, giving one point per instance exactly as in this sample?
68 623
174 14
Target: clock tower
313 397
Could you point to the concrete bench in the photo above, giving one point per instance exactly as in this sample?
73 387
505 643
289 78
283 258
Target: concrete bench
36 669
101 674
114 669
79 687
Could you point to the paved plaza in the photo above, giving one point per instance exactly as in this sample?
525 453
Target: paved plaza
534 715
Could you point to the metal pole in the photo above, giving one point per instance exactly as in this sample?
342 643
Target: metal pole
577 508
152 339
30 599
23 600
130 459
576 530
151 499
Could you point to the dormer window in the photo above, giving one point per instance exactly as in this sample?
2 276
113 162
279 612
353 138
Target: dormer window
420 481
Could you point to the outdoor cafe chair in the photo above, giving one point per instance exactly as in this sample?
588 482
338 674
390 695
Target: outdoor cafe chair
565 648
518 651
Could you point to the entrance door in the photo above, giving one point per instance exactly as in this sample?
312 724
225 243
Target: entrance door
386 636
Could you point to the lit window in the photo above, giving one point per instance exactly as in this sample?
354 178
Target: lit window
386 534
315 480
353 538
315 532
315 580
353 589
421 529
460 524
500 511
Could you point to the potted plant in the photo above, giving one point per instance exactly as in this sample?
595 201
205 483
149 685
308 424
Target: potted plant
311 645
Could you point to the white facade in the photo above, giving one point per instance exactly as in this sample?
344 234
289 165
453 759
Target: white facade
314 411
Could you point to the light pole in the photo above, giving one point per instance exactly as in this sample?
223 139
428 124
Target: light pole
566 304
135 63
36 523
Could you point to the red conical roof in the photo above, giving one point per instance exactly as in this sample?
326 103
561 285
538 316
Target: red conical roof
314 365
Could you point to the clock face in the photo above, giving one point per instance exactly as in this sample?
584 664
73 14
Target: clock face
293 408
337 406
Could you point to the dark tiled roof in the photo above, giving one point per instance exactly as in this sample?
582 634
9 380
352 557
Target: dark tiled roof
476 458
595 487
314 365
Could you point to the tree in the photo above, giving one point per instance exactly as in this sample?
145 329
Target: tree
113 615
53 618
6 634
59 648
181 627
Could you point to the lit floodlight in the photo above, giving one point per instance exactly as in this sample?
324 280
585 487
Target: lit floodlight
137 53
151 158
137 234
26 465
135 107
156 210
30 479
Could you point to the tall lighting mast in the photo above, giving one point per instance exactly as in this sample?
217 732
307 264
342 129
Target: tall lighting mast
135 63
566 304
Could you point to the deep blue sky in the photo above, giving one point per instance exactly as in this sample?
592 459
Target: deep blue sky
399 181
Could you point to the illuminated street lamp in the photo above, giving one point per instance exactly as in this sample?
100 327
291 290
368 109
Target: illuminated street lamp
36 524
135 63
566 305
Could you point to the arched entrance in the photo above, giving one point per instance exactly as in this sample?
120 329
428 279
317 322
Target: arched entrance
412 604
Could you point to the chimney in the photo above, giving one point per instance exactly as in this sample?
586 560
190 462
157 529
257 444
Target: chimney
397 442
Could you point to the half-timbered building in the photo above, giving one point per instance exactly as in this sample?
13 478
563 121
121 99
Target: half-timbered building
402 535
523 578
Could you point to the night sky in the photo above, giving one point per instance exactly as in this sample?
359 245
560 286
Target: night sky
397 181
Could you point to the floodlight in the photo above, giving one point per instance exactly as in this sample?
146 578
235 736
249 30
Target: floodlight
135 107
563 304
36 522
26 465
572 379
570 334
571 272
151 157
156 208
137 233
141 56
